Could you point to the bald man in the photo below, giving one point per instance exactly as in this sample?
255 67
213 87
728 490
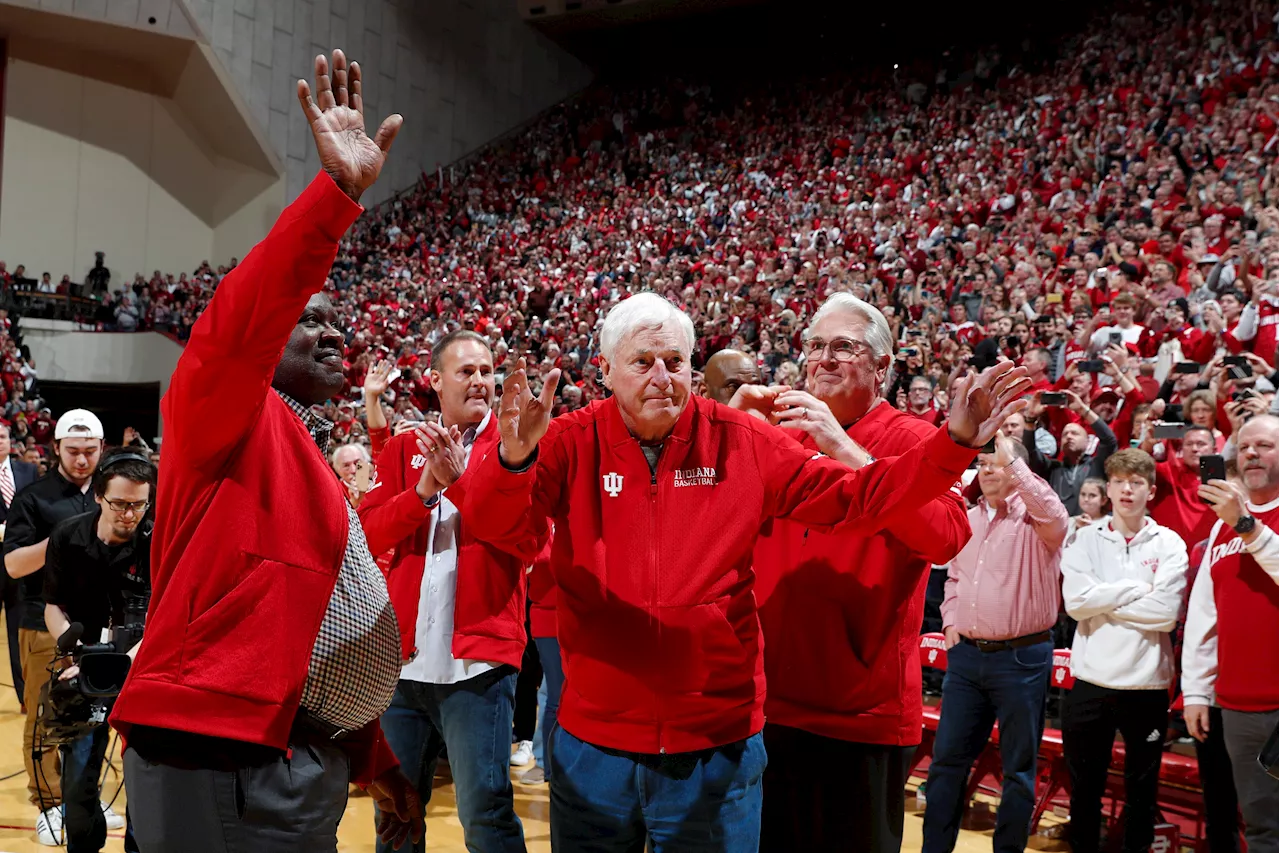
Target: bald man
727 371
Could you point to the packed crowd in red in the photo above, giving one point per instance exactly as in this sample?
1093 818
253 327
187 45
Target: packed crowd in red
1007 207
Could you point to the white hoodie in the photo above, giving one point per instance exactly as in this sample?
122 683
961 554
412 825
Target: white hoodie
1126 597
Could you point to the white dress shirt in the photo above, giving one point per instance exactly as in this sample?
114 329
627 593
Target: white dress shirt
433 635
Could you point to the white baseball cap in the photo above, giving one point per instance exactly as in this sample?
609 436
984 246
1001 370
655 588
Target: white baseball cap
78 423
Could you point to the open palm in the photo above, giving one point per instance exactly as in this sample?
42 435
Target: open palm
336 116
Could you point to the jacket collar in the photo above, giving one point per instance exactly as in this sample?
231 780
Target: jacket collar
1108 532
617 434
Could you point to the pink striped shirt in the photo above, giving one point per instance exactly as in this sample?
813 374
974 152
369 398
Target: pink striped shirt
1006 582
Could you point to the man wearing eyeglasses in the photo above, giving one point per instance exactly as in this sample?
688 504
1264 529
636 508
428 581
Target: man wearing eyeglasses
97 573
841 608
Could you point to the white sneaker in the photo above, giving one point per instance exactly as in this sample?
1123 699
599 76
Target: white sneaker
523 756
49 827
114 821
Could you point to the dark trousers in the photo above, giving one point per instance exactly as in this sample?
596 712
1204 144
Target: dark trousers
610 801
980 689
525 721
1221 809
1091 716
83 821
10 589
553 671
823 794
473 719
285 805
1245 733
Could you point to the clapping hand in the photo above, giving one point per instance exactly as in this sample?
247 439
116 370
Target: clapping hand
446 458
757 400
983 402
377 379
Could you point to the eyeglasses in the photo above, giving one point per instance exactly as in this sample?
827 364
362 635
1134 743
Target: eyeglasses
842 349
137 507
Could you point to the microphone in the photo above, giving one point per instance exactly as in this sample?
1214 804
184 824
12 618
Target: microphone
70 637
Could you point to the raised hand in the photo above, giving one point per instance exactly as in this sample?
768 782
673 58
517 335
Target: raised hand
377 379
446 458
523 418
336 116
800 410
982 403
756 400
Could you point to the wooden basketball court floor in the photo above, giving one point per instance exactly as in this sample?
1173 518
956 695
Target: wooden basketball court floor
444 832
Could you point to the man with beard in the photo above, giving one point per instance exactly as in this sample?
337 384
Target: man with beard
271 646
461 607
1229 660
726 372
841 610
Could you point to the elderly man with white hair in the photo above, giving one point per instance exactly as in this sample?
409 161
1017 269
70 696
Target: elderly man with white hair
657 499
841 608
346 461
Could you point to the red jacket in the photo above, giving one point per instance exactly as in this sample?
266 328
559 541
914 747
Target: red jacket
656 615
250 534
841 612
542 595
488 610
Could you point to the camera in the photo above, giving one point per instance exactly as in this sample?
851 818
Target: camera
68 710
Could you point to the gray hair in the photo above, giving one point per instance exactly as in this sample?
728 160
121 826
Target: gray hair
879 338
364 452
643 311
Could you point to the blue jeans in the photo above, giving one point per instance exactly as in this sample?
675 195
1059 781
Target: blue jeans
83 821
473 719
553 683
609 801
981 688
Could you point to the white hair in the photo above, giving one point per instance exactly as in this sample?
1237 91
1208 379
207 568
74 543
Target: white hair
364 452
879 338
643 311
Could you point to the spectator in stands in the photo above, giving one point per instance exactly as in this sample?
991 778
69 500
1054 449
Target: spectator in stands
635 705
1077 462
347 460
56 496
920 402
1175 502
1229 659
457 691
841 611
1001 602
1123 582
99 278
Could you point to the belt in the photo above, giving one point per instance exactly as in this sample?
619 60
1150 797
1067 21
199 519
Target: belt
308 728
1005 645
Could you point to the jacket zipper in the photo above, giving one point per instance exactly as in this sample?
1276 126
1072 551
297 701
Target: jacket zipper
653 575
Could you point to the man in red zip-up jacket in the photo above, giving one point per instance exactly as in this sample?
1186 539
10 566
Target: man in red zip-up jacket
460 604
841 611
270 642
657 500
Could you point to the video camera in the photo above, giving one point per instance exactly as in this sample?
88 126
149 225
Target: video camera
70 709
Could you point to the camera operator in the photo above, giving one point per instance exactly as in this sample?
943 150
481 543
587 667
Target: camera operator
97 573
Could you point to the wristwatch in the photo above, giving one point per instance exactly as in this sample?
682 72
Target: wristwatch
1246 524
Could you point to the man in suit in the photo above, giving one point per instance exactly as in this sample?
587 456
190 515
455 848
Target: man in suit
15 475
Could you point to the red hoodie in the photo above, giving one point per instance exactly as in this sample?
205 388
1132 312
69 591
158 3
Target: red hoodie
250 535
656 614
841 612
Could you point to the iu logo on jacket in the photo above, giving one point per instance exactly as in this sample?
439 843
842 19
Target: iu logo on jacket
612 483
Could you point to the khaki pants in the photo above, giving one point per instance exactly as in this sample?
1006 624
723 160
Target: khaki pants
38 651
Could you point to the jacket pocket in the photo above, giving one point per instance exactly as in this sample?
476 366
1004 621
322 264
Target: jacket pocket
251 640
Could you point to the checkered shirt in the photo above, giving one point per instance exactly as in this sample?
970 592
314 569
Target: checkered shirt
355 663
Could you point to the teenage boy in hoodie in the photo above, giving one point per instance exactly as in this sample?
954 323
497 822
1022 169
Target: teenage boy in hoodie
1122 580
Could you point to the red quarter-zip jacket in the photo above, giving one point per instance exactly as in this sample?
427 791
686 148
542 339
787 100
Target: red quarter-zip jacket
841 611
252 525
656 611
